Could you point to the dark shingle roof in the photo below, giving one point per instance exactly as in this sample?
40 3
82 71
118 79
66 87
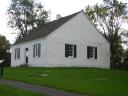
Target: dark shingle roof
46 29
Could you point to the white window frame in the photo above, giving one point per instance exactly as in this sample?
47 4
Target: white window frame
17 53
91 52
37 50
71 51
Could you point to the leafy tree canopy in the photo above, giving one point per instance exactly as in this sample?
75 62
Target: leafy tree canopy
4 47
108 18
26 15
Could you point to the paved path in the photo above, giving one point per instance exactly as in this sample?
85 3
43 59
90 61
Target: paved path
39 89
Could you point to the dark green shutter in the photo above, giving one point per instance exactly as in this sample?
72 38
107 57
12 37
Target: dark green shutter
15 53
75 51
66 54
39 49
88 49
18 53
95 52
34 50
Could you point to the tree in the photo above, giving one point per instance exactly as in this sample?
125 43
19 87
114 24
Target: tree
26 15
108 18
125 60
4 49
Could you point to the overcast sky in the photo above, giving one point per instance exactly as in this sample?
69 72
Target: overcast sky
63 7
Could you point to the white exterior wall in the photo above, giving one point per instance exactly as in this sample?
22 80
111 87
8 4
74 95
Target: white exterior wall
81 32
77 30
34 62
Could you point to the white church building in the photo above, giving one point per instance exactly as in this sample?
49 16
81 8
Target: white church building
71 41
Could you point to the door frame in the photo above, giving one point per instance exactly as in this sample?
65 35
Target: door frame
26 55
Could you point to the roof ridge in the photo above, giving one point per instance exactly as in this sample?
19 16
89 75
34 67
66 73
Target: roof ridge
45 29
63 17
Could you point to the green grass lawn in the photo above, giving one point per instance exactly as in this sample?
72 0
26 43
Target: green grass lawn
94 82
12 91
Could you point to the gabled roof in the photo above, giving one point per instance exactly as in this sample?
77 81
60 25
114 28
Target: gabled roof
45 29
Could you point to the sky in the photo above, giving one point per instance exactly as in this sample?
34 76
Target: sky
63 7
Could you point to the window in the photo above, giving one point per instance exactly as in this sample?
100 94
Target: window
70 50
91 52
17 53
36 50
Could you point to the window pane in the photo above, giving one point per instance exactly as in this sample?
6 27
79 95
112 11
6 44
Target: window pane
37 50
17 53
70 50
91 52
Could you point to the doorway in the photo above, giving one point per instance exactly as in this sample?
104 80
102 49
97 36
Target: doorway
26 55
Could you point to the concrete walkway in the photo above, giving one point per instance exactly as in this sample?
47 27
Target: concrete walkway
39 89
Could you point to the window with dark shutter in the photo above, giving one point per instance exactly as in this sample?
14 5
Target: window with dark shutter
70 50
91 52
